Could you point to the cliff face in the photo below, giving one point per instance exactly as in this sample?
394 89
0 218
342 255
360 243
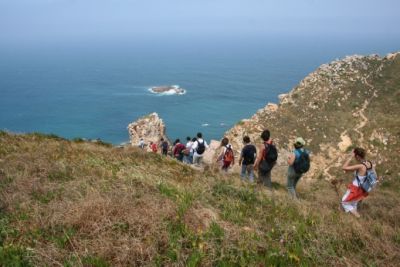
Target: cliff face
151 128
346 103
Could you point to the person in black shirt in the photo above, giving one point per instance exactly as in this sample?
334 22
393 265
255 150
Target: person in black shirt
247 158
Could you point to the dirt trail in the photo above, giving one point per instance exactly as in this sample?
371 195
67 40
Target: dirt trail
363 122
346 141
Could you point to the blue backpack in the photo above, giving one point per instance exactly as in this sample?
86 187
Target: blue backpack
370 180
302 162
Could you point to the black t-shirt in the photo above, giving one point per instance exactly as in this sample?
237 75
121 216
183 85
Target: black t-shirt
249 154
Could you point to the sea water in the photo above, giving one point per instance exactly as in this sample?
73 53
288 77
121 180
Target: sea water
94 90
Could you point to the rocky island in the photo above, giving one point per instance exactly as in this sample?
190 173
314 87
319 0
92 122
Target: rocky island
168 90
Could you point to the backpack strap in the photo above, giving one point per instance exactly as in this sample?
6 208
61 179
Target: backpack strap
367 169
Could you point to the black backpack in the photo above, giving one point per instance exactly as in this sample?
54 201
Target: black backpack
201 147
248 154
269 158
302 162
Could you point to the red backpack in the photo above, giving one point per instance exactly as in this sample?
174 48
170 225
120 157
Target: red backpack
228 156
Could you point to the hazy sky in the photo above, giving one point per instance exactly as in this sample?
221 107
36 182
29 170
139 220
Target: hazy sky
44 21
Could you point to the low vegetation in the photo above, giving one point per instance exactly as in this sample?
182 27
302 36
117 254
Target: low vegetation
66 203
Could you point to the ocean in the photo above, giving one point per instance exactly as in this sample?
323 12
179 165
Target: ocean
94 90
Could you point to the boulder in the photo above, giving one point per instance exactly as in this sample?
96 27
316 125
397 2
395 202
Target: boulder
150 127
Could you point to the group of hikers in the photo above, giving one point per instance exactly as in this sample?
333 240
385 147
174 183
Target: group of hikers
190 153
365 177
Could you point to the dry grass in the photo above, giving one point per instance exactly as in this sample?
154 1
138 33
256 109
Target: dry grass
81 204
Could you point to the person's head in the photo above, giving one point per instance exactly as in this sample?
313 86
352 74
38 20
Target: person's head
188 138
199 135
359 153
162 139
194 139
224 141
176 141
299 143
246 139
265 135
151 142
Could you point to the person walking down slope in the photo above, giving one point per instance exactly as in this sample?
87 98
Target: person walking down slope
178 150
247 158
266 159
299 163
153 147
363 172
164 147
141 144
199 146
188 152
226 156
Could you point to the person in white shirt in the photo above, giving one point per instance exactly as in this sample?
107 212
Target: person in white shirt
188 152
141 143
199 146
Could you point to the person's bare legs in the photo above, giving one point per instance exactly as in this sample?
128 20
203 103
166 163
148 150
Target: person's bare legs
355 213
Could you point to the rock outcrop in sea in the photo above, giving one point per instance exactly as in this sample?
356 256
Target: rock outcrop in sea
168 90
150 127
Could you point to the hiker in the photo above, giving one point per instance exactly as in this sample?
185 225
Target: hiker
266 159
355 192
164 147
226 157
153 147
141 143
299 163
188 152
178 150
247 158
199 146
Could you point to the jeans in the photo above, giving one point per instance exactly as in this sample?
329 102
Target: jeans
250 172
186 159
265 178
292 180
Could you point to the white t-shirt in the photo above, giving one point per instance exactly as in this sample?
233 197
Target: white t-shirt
189 145
141 143
196 144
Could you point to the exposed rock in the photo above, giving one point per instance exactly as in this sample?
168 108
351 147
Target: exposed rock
150 127
170 90
391 56
272 107
209 156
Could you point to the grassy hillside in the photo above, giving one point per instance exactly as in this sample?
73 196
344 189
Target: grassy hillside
69 203
350 102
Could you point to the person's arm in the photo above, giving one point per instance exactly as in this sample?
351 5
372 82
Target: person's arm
291 159
348 168
221 154
259 157
241 158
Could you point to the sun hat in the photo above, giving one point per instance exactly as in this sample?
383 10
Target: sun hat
300 141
